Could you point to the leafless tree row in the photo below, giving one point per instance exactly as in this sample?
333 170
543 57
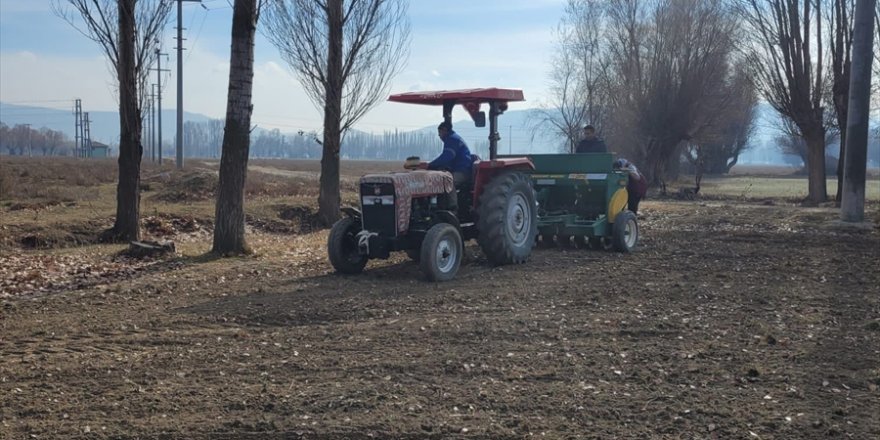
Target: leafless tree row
801 51
661 78
21 139
345 53
656 77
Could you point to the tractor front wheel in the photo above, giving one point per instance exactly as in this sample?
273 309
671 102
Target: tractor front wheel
342 247
508 222
625 232
441 252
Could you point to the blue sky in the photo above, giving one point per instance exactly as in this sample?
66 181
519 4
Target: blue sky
455 44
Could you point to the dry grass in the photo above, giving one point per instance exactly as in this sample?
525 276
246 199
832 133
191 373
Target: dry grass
781 171
28 183
789 188
57 202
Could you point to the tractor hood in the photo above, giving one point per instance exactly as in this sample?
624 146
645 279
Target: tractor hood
414 183
420 183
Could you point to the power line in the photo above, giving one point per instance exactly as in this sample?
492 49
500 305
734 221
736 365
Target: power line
199 32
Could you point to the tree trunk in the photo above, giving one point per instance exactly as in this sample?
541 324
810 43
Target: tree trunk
841 64
731 164
840 157
126 227
328 198
229 211
816 168
699 166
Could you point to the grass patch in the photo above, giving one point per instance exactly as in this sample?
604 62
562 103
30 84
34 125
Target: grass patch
759 188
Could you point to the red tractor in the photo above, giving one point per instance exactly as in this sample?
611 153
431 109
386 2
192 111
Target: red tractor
424 214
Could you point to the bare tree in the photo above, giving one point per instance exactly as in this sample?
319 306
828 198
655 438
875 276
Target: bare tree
5 137
790 141
127 31
671 64
875 66
566 112
840 35
229 210
345 53
577 77
787 55
50 140
716 149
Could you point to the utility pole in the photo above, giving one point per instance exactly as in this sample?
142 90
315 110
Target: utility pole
180 81
159 71
87 135
77 128
852 206
145 133
153 120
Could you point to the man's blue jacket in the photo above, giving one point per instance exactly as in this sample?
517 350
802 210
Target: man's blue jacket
456 156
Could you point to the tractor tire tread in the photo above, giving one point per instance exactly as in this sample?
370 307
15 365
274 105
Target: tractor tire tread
492 236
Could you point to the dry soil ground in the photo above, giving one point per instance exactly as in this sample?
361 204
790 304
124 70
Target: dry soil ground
736 318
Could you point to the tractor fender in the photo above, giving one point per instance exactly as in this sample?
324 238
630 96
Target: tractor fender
447 217
617 204
487 170
351 212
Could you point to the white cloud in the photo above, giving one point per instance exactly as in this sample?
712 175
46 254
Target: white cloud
514 57
27 77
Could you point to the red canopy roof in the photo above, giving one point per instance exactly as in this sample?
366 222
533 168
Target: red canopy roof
460 96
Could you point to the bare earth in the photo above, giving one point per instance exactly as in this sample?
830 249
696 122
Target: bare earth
733 320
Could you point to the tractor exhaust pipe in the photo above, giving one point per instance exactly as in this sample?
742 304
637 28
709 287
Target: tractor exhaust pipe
494 137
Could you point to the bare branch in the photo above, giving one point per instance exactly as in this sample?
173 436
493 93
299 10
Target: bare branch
375 39
98 20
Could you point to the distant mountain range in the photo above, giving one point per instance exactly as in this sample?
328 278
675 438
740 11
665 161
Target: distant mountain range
514 128
104 125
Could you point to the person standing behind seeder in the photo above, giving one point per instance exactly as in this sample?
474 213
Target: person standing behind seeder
591 143
636 187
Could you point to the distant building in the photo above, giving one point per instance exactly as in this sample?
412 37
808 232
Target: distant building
99 149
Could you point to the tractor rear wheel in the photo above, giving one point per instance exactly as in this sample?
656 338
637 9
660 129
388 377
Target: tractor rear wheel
342 247
507 219
625 232
441 252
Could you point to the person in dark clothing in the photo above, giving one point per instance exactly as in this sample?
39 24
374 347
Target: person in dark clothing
636 187
455 158
590 143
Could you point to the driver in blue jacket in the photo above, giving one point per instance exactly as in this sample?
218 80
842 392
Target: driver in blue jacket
455 158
